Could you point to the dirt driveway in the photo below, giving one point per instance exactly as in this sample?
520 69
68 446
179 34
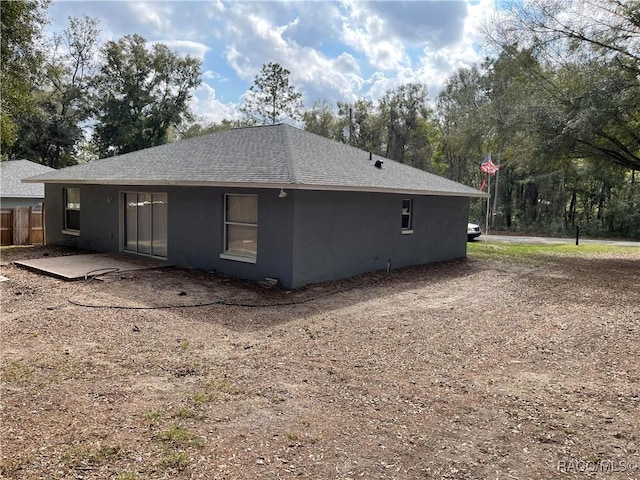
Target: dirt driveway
483 368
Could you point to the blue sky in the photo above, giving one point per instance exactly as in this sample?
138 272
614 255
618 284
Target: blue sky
335 50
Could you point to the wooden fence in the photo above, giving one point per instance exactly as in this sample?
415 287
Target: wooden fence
21 226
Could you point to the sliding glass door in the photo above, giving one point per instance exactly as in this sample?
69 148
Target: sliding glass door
145 223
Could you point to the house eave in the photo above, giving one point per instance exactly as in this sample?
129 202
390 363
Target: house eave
287 186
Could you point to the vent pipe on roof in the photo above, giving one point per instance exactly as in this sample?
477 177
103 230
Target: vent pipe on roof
378 164
370 156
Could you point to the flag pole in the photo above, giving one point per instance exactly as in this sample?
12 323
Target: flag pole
494 210
486 224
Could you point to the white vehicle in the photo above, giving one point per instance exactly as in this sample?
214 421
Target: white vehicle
473 231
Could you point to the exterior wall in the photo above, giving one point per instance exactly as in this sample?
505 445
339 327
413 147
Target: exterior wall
12 202
196 236
195 220
306 237
99 218
340 234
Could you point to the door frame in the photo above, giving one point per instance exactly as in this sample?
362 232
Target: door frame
123 218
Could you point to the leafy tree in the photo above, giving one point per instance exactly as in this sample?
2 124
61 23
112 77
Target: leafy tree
599 111
569 29
52 132
22 22
321 119
271 98
596 41
545 123
142 93
197 129
361 125
405 112
460 107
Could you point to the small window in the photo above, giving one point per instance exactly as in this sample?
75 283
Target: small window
72 209
241 227
407 216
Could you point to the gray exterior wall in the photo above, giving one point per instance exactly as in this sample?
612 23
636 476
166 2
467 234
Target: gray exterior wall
195 227
306 237
340 234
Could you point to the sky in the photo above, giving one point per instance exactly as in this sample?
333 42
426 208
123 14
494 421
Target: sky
334 50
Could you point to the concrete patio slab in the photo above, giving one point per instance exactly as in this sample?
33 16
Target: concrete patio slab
73 267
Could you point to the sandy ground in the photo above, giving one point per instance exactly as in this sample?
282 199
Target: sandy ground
486 368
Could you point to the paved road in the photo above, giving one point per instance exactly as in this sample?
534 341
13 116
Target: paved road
550 240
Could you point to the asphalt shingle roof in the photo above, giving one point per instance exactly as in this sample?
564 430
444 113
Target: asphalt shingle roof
277 156
13 171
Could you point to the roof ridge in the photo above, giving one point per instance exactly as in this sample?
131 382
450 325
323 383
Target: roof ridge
288 154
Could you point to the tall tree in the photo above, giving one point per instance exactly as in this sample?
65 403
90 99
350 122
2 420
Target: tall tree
598 40
271 98
361 125
142 93
52 132
21 58
567 29
198 129
405 112
321 119
461 121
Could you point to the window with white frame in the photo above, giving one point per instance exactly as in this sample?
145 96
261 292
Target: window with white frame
72 209
240 227
407 215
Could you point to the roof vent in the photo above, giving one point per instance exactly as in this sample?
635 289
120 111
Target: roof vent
378 164
370 156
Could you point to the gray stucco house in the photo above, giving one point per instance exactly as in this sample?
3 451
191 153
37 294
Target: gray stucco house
15 193
260 202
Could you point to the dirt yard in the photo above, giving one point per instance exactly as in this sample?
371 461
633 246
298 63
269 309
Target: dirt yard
489 368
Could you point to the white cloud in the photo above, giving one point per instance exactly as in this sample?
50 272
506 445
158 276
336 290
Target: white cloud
187 47
154 14
437 23
365 32
211 75
335 50
208 109
436 65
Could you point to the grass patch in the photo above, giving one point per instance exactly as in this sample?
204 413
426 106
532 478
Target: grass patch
187 412
224 385
518 251
15 371
216 388
93 455
201 398
179 436
176 460
131 476
154 416
39 372
9 467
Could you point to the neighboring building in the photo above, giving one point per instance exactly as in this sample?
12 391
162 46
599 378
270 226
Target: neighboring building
14 193
258 202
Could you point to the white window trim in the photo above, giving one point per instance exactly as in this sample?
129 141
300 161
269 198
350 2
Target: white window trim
226 255
238 258
408 231
65 230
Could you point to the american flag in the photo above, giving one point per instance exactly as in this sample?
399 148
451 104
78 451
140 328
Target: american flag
487 166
